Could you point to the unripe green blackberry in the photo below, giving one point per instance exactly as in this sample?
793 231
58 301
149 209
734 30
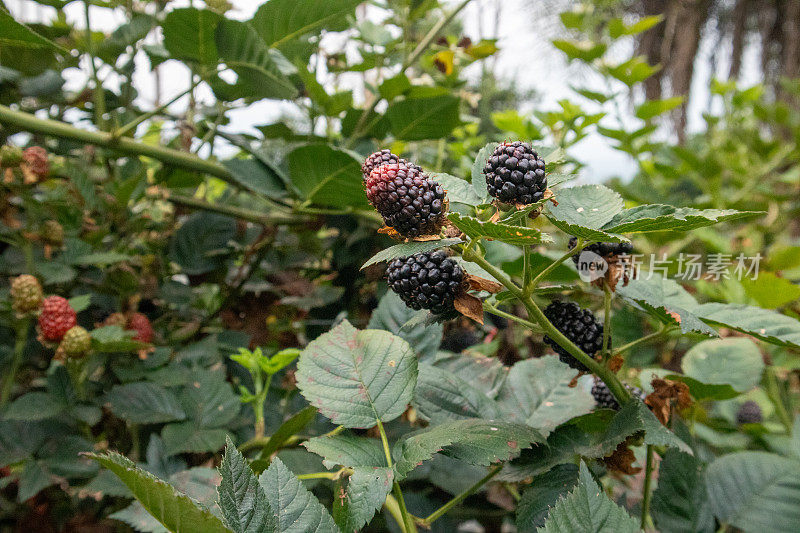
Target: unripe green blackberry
26 294
429 280
749 413
605 400
603 249
578 325
52 233
382 157
408 200
76 342
515 174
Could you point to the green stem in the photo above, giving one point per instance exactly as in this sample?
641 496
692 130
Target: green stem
461 497
646 492
408 523
19 350
489 308
393 507
774 393
647 338
543 274
526 269
256 217
607 296
132 125
326 475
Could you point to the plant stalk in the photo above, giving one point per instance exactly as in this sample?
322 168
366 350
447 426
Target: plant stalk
543 274
426 522
646 492
19 350
647 338
774 393
607 296
408 522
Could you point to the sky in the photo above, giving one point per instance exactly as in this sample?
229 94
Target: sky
525 56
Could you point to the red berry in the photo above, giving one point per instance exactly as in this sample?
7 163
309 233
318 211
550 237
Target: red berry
36 158
141 325
57 318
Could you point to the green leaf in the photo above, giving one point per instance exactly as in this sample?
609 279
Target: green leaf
174 510
365 493
144 403
657 217
585 51
256 177
582 211
188 437
348 451
209 399
291 427
280 21
458 190
736 361
419 118
617 28
80 303
197 244
542 494
408 249
395 86
17 34
101 259
442 396
297 510
474 441
327 176
478 179
392 314
518 235
242 500
357 377
588 509
35 405
755 491
680 502
485 374
112 339
704 391
538 393
770 291
652 108
762 324
189 34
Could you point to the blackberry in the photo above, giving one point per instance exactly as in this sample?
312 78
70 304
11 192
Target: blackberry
429 280
605 400
578 325
749 413
380 158
458 340
515 174
407 199
603 249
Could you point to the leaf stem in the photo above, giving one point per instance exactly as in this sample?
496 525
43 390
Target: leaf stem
607 296
132 125
408 522
774 393
646 492
98 95
543 274
426 522
521 321
326 475
647 338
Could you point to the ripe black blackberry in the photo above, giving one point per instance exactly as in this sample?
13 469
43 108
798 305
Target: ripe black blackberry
749 413
515 174
578 325
603 249
605 400
429 280
382 157
407 199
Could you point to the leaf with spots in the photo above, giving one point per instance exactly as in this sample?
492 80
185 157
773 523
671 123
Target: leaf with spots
356 377
356 501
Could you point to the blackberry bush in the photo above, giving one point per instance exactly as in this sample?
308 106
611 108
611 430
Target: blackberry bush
515 174
578 325
427 281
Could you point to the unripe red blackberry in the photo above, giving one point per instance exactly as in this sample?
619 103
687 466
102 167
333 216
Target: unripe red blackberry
26 294
605 400
749 413
515 174
382 157
407 199
141 325
57 318
603 249
76 342
429 280
578 325
36 159
116 319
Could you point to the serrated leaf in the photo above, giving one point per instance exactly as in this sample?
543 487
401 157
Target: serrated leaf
327 176
442 396
733 361
477 229
16 34
145 403
680 502
423 117
392 314
242 500
197 244
255 176
364 494
458 190
357 377
176 511
584 210
209 400
407 249
755 491
36 405
542 494
485 374
296 509
538 393
474 441
347 450
762 324
281 21
657 217
189 34
188 437
588 509
478 179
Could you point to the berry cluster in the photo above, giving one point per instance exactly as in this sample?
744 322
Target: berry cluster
57 318
603 249
407 199
515 174
605 400
429 280
578 325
